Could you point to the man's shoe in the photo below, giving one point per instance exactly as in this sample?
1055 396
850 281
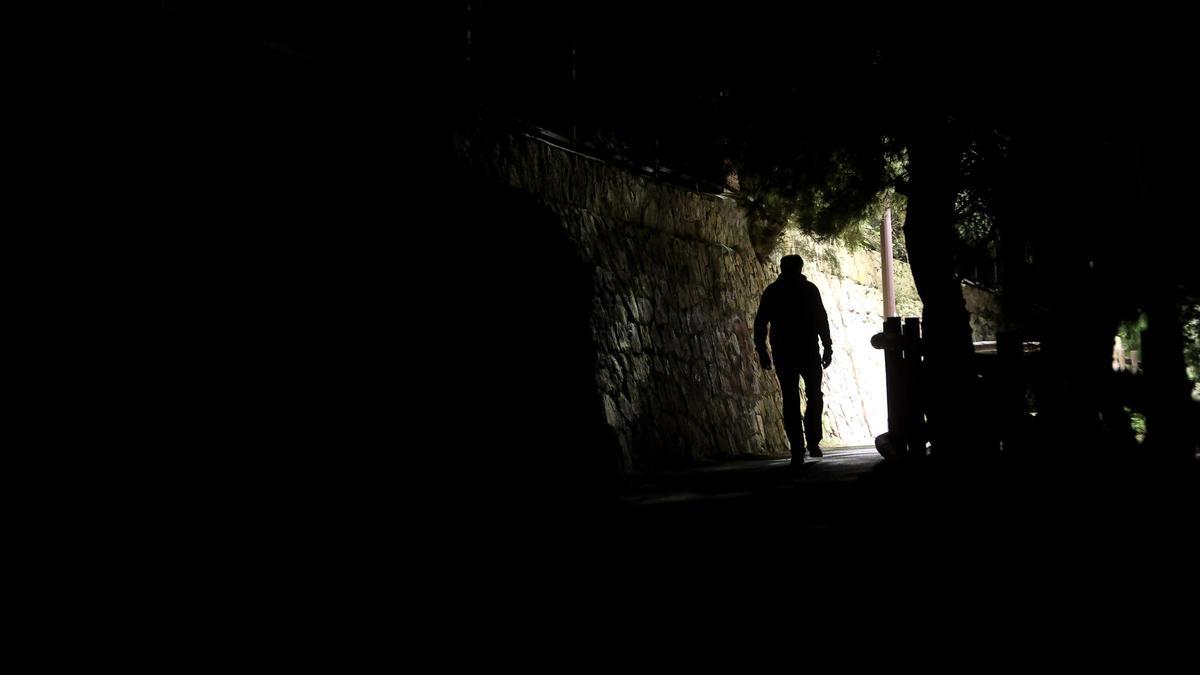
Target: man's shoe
815 451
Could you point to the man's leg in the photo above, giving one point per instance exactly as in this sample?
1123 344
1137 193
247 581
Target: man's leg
815 406
793 422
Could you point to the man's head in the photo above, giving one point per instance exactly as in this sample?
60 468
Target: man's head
791 264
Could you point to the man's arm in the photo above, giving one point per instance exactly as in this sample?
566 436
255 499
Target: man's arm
822 321
761 319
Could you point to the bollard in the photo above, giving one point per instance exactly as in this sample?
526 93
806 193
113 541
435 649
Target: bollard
914 408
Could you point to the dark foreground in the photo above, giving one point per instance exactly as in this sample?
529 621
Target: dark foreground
852 512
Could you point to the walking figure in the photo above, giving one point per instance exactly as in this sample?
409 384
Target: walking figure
792 308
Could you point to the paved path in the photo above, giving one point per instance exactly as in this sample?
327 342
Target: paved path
751 478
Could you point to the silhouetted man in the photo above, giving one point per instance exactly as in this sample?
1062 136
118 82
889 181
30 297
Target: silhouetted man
793 309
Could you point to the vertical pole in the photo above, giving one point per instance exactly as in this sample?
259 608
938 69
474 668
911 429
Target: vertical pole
889 288
914 409
893 365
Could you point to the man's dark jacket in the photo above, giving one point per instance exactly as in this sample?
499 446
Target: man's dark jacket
792 306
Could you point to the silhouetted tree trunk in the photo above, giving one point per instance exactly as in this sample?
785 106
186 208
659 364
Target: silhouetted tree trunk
1166 372
1079 412
929 237
1162 165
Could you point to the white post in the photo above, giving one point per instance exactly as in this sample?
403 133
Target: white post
889 288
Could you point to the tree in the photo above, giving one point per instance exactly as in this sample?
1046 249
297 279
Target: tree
1029 144
825 170
991 128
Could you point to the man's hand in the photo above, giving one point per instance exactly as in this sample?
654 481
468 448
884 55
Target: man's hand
827 358
765 360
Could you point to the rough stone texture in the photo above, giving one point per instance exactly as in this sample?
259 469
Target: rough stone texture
676 286
984 308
